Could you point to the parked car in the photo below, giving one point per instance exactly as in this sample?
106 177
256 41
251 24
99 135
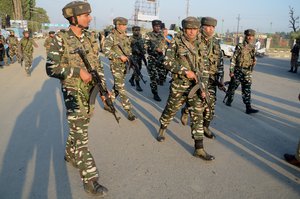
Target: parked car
227 50
38 35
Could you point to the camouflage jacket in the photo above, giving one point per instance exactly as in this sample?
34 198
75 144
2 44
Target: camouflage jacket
211 56
182 56
243 57
12 41
64 64
137 45
3 39
113 44
47 43
26 45
153 41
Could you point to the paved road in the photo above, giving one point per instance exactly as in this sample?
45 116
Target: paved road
249 148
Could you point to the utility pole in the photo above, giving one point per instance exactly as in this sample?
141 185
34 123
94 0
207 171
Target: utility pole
237 31
187 7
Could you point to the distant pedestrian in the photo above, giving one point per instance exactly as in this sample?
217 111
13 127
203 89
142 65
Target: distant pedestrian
295 56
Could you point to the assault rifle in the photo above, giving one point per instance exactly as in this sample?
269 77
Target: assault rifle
230 85
132 64
97 79
200 87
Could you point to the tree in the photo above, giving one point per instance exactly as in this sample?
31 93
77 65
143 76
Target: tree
293 20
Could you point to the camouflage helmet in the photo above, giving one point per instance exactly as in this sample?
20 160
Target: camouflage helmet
136 28
25 31
51 32
249 32
208 21
190 22
156 22
120 21
76 8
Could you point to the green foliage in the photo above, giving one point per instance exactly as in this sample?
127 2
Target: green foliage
295 35
6 8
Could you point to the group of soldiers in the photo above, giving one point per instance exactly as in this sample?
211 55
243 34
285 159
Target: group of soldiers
193 58
21 51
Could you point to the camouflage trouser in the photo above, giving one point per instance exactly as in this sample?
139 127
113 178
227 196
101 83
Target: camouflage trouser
212 89
156 70
13 51
137 60
76 102
244 77
118 71
27 58
177 97
294 60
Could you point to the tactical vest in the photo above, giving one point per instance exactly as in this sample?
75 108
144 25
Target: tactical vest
26 45
247 55
214 56
137 45
120 40
13 41
156 40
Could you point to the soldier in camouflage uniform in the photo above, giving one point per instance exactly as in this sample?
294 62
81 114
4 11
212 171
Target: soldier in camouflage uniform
213 59
13 43
67 66
138 52
2 52
241 66
26 48
155 46
48 41
116 49
183 60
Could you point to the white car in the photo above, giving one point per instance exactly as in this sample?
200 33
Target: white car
227 50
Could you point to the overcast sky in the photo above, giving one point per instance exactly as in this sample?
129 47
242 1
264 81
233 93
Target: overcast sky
261 15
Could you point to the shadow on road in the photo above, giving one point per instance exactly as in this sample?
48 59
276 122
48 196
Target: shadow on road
36 149
36 62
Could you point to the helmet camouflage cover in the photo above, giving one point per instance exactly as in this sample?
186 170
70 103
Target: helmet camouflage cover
190 22
250 32
120 21
76 8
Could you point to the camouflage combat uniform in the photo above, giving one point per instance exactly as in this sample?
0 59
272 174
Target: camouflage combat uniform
242 63
155 68
65 65
2 52
183 56
26 47
113 44
48 41
13 43
138 51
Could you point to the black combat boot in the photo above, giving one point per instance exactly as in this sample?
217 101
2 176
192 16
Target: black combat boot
184 116
155 96
228 101
250 110
207 132
95 189
138 87
200 152
291 70
130 115
161 134
131 80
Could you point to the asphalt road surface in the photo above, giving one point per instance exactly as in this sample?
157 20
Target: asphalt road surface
132 164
